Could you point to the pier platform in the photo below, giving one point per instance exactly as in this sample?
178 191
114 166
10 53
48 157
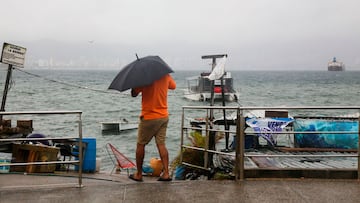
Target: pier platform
102 187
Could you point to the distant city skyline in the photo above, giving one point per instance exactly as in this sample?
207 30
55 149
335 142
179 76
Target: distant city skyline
52 54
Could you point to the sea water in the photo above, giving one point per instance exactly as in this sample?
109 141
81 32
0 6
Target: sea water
86 90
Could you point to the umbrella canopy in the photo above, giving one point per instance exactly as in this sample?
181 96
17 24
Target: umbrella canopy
141 72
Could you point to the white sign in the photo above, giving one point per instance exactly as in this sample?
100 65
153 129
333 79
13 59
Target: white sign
12 54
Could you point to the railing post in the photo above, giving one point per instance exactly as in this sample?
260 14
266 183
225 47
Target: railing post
182 134
81 159
242 144
358 150
237 146
207 134
239 149
6 89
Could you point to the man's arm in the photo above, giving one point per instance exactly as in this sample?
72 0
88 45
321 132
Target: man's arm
134 93
172 83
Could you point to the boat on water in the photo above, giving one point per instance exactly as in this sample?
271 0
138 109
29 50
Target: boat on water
118 126
335 65
199 88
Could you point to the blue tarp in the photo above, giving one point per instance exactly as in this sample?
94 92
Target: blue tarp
340 141
265 127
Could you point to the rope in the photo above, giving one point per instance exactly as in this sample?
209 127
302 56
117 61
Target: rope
65 83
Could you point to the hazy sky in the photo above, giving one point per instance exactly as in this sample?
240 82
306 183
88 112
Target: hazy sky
256 34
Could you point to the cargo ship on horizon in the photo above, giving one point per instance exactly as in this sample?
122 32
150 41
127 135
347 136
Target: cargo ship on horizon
335 65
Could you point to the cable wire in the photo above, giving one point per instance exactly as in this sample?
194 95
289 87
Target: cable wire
65 83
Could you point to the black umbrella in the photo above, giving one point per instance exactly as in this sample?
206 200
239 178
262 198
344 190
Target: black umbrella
141 72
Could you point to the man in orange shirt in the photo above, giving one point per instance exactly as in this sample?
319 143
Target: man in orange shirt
153 123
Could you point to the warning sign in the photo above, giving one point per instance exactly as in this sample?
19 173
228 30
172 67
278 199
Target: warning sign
12 54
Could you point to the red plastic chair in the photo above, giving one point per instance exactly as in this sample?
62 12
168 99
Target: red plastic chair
119 159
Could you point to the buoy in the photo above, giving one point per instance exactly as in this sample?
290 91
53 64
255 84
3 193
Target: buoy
217 89
157 166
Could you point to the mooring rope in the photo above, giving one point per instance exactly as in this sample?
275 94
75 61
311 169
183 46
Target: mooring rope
65 83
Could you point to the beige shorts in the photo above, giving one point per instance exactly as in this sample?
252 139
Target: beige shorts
152 128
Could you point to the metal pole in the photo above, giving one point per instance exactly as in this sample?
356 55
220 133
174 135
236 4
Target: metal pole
80 151
212 99
242 145
237 146
226 126
207 163
182 135
211 133
358 159
6 89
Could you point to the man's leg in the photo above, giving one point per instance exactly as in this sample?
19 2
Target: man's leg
164 155
140 153
140 149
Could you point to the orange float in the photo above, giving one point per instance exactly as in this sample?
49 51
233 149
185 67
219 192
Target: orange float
157 166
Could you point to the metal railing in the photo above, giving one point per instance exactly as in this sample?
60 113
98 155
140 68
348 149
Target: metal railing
240 155
49 113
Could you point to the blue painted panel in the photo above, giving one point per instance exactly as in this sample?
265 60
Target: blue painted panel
340 141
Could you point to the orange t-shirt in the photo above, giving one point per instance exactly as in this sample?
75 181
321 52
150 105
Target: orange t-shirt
154 98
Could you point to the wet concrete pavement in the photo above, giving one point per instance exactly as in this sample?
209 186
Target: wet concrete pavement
118 188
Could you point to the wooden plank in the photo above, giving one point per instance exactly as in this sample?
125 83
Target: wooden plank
265 162
249 163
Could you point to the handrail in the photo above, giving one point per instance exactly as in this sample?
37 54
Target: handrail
38 112
36 139
271 108
240 134
79 161
287 132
